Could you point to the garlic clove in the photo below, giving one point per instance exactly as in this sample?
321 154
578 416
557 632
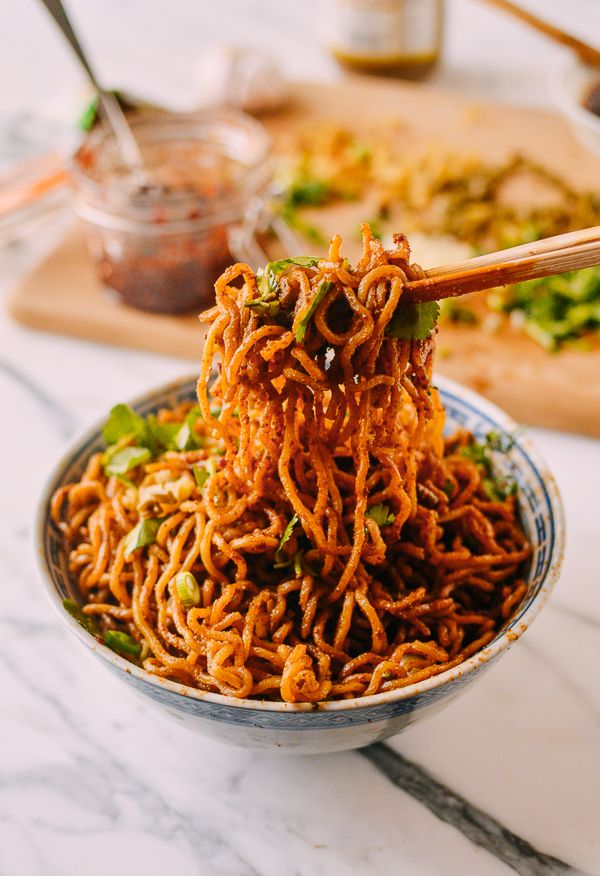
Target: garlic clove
239 77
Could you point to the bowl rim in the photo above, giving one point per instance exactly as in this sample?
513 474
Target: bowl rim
513 631
566 99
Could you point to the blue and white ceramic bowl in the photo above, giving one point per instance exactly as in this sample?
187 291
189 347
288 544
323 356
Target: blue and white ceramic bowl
333 726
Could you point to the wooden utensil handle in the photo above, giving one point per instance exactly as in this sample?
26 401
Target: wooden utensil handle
586 52
542 258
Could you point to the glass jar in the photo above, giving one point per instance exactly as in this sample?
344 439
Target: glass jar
159 239
388 37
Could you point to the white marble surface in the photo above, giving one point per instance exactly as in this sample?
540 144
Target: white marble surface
92 781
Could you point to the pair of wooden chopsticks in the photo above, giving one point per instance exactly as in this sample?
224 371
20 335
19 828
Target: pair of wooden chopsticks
542 258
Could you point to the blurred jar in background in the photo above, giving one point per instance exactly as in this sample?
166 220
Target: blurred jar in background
386 37
161 243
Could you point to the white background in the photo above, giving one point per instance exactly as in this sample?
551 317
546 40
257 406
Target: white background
148 45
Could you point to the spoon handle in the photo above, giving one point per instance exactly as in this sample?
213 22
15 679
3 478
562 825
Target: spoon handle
110 105
57 11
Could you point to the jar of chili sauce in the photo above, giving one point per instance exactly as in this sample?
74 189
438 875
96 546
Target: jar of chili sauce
159 238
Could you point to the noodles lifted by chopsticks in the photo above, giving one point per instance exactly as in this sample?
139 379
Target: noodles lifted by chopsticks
338 546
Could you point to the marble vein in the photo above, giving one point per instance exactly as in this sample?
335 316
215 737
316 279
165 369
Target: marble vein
478 826
63 418
103 788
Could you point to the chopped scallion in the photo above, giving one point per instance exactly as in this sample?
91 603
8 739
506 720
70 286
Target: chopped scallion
122 643
203 472
186 587
143 534
124 459
324 287
186 437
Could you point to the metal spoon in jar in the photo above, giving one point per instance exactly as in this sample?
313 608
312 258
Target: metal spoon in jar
128 146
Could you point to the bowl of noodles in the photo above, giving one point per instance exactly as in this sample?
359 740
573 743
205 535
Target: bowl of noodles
314 544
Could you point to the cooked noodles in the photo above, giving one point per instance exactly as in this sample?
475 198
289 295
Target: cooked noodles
338 546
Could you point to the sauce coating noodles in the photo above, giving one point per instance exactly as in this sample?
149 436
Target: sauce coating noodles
340 545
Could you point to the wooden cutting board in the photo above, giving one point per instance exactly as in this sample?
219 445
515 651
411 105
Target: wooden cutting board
555 390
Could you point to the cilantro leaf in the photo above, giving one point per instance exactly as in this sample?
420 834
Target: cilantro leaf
144 533
123 460
268 277
280 557
414 321
267 281
381 514
279 266
477 453
503 442
496 488
306 192
163 433
554 311
175 436
324 287
123 422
